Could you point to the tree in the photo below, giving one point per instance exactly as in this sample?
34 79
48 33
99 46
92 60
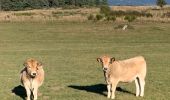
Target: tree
101 2
161 3
104 2
53 3
12 5
38 4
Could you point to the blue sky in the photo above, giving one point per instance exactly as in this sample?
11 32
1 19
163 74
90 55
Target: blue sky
134 2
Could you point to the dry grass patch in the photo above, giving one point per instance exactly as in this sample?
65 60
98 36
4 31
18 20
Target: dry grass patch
158 15
81 14
131 8
48 14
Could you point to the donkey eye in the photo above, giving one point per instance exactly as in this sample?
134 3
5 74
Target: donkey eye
28 67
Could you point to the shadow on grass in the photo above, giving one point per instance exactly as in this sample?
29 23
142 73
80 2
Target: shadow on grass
98 88
19 91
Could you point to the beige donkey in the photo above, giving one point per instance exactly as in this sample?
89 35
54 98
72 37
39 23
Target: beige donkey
32 77
124 71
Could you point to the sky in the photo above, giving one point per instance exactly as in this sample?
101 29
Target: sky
134 2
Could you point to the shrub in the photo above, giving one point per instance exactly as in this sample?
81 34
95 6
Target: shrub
90 17
105 10
118 13
130 13
149 15
130 18
70 7
57 14
111 18
99 17
166 15
24 14
64 13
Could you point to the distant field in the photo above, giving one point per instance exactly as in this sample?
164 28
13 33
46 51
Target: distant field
159 15
69 51
81 14
52 14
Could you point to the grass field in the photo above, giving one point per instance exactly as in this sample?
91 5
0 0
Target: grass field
69 51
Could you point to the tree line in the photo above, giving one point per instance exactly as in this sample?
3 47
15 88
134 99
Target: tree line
37 4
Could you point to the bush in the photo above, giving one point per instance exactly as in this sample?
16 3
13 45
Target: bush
70 7
90 17
111 18
105 10
166 15
130 18
24 14
99 17
130 13
118 13
149 15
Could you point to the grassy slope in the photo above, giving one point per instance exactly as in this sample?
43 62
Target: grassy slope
69 52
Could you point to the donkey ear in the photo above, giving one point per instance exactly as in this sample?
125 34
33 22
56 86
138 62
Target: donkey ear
99 59
112 59
25 64
39 64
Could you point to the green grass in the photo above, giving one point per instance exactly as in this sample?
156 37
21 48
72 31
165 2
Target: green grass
24 14
69 51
